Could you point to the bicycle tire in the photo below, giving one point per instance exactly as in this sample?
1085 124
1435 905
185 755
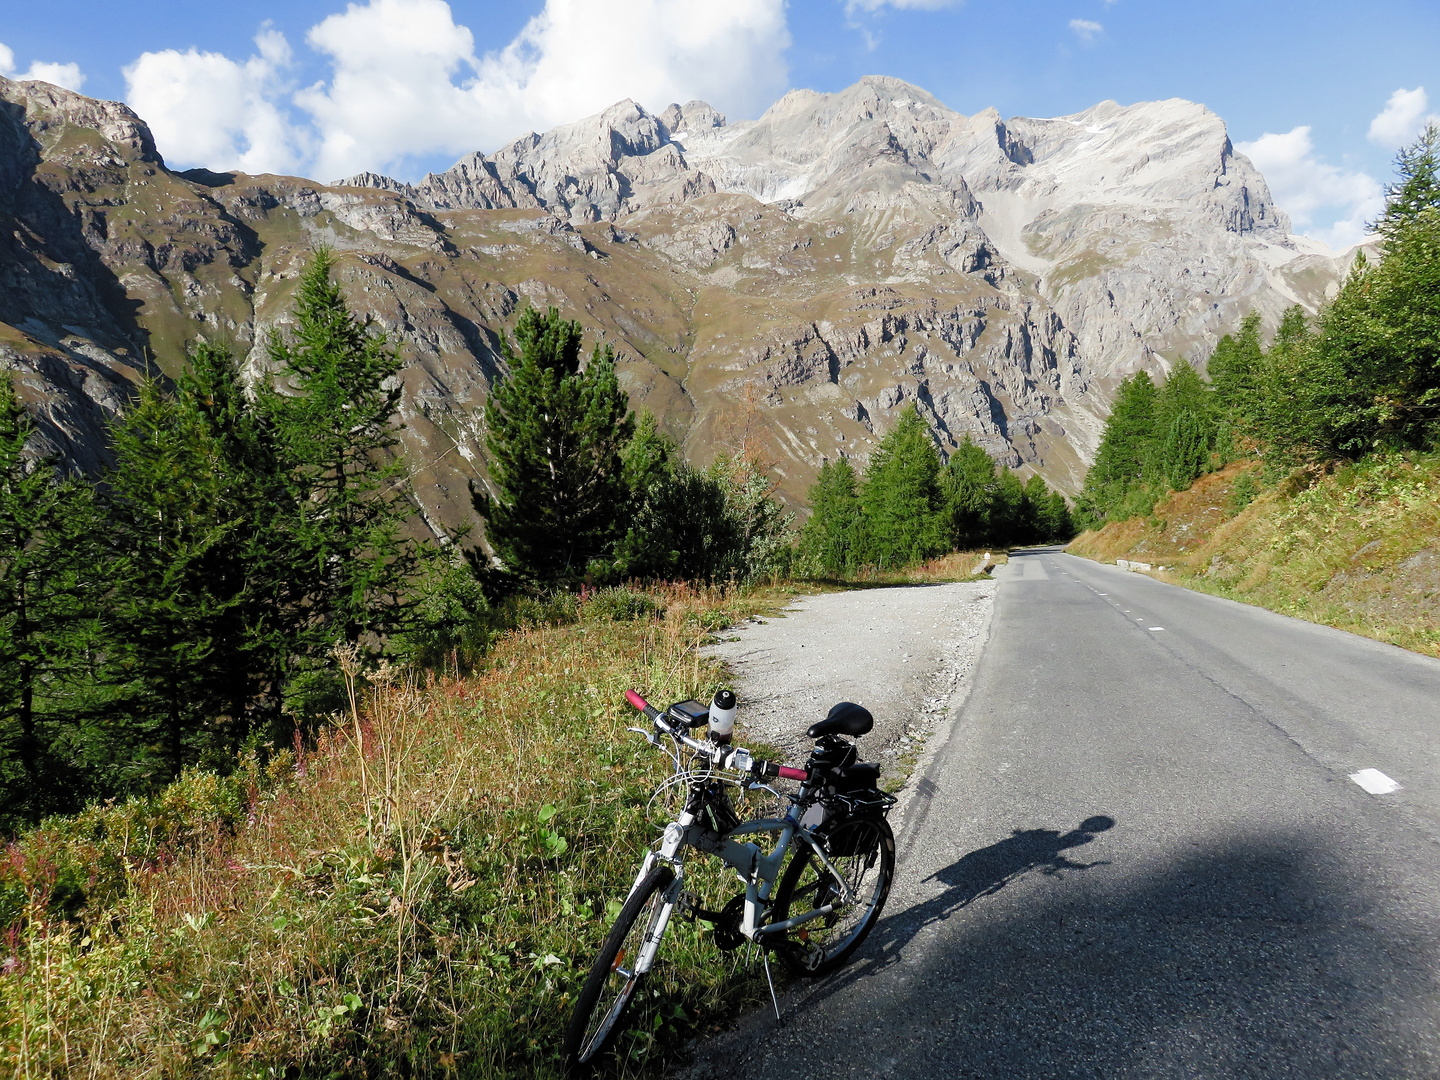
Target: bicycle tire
820 946
600 1010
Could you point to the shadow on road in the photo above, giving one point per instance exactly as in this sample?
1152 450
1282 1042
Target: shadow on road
979 874
1251 955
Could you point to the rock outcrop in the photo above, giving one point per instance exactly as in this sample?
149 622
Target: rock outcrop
789 282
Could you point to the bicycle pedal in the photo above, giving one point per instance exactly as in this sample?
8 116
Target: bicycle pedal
687 906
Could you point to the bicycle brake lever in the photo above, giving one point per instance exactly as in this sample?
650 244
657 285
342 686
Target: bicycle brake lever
650 736
755 785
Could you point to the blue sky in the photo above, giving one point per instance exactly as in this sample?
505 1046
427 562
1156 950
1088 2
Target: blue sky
324 88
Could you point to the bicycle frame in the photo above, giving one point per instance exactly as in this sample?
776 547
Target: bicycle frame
758 870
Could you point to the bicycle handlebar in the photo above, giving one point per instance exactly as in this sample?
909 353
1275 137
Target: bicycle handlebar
724 757
640 703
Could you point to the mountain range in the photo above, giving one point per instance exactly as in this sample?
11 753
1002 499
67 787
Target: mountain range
787 284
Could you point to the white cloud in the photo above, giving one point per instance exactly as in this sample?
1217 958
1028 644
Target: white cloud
1402 118
406 80
1304 186
1085 29
206 109
67 75
852 6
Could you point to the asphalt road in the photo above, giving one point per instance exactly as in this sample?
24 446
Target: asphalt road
1140 853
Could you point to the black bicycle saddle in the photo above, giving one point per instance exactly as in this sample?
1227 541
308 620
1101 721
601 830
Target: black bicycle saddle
846 718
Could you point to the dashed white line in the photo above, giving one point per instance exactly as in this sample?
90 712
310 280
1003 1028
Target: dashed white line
1157 628
1375 782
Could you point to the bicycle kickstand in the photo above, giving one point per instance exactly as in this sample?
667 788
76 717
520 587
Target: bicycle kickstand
765 959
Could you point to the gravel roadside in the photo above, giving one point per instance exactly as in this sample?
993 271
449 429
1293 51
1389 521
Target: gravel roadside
902 652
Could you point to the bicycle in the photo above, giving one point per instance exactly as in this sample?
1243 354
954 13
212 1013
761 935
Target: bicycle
839 876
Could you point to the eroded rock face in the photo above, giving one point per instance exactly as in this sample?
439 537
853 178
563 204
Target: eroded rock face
790 282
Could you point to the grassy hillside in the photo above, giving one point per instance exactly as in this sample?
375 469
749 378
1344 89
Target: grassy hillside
417 892
426 907
1357 548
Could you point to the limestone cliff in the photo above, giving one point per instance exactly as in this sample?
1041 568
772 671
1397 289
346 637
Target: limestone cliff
791 281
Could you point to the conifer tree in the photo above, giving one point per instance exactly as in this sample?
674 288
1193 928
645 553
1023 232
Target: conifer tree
555 438
676 526
331 413
1235 372
1375 370
1124 461
901 500
969 487
1007 509
1034 504
829 542
1186 449
1056 521
175 621
1415 193
48 578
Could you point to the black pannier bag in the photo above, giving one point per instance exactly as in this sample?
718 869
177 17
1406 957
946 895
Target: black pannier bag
853 799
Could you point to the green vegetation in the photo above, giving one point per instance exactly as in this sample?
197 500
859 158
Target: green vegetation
45 620
911 508
418 892
345 804
186 606
1362 377
1356 546
588 495
556 434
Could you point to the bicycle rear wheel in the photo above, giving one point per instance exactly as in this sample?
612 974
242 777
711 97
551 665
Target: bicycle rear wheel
821 945
600 1009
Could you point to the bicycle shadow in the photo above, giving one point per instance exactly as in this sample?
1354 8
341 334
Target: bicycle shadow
974 876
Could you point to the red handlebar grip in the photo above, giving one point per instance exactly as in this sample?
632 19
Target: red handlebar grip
787 773
635 699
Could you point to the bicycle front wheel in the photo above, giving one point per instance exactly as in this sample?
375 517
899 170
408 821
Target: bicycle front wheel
818 947
611 984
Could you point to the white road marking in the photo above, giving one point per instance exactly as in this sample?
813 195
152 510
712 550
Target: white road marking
1375 782
1157 628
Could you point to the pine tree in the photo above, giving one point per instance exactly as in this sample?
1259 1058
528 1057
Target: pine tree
968 486
1186 427
1186 449
1007 509
901 500
48 578
829 541
1057 523
676 527
1415 192
175 619
1124 462
1034 503
556 433
331 413
1375 368
1235 371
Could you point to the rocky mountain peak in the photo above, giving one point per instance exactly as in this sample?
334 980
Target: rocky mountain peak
803 276
51 112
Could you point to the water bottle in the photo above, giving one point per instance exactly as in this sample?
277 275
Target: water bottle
722 716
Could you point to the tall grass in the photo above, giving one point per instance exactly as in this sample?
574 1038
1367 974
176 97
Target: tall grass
956 566
1356 547
417 893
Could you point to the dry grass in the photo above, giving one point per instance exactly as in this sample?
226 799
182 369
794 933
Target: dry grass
1356 548
956 566
418 893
